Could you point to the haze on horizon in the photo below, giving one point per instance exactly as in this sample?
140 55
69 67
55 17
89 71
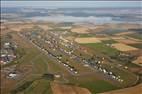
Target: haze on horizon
71 4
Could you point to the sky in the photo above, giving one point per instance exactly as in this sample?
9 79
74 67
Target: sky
70 4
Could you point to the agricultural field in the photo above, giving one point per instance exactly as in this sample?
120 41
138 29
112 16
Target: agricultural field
86 35
136 35
80 30
139 45
51 63
87 40
132 90
102 48
128 41
124 33
64 89
110 41
99 86
138 61
71 47
123 47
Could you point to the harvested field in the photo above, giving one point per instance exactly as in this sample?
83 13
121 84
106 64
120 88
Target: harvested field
124 26
127 41
67 89
132 90
45 27
138 61
20 27
99 28
80 30
103 38
123 47
87 40
71 38
66 27
2 27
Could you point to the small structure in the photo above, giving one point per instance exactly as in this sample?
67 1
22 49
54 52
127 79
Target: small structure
57 76
12 75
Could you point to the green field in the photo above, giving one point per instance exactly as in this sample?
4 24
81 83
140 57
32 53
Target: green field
136 35
109 41
35 61
98 86
86 35
112 31
136 45
39 86
102 48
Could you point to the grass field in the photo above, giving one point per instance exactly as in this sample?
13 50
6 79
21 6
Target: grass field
136 45
113 31
129 79
136 35
132 90
109 41
37 63
86 35
102 48
98 86
41 86
40 65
